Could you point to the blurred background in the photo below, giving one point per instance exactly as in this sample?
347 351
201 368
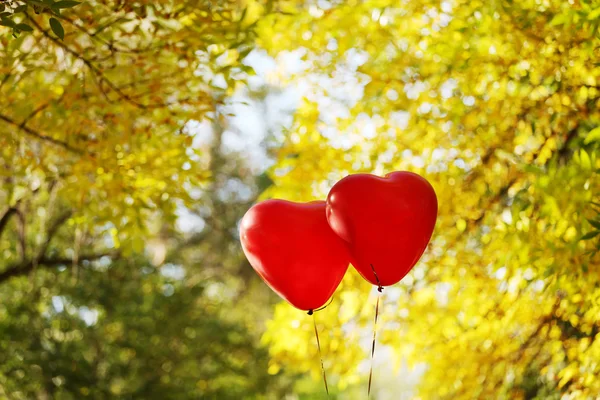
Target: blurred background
135 135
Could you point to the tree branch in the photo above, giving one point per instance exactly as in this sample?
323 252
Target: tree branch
52 232
563 152
24 268
97 71
6 217
40 109
112 46
38 135
22 235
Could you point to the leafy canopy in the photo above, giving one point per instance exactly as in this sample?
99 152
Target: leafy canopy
102 295
496 103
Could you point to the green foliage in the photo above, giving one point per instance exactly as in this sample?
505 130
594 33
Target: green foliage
124 330
97 121
13 11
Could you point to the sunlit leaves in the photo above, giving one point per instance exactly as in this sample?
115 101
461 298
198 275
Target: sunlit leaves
20 9
96 100
592 136
99 110
497 105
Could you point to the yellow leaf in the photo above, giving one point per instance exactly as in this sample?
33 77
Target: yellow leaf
586 162
593 135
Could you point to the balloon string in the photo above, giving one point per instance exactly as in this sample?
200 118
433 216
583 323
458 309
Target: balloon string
379 287
320 355
373 345
310 312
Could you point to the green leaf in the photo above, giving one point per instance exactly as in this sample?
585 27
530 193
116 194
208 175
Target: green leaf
138 244
65 4
7 22
243 14
38 3
57 28
594 14
595 224
558 19
593 135
590 235
245 52
21 9
264 181
24 27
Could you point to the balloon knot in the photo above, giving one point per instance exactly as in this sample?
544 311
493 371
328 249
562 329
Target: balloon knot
380 289
310 312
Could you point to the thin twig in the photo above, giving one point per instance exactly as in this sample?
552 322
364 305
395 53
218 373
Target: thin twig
24 268
39 135
96 70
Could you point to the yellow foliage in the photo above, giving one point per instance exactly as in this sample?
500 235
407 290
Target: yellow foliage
496 104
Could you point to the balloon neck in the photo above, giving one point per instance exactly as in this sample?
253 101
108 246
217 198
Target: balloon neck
310 312
380 288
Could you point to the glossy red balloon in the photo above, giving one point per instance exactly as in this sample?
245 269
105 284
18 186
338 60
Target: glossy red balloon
386 222
293 249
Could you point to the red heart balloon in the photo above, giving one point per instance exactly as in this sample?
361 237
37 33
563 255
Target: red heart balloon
386 222
293 249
